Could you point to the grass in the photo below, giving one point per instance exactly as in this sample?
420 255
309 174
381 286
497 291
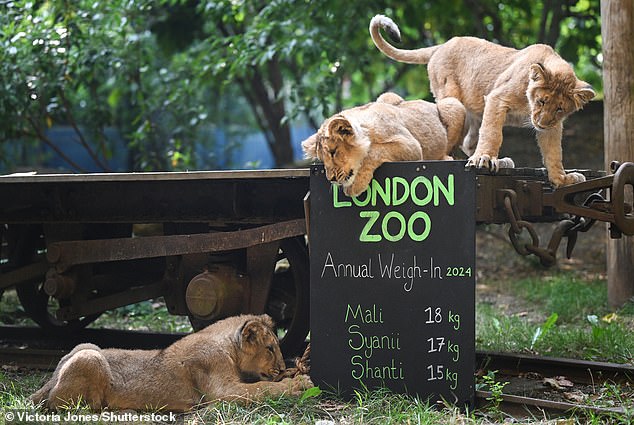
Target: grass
585 326
376 407
146 315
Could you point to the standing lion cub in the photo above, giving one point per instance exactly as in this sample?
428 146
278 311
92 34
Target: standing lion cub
233 359
499 86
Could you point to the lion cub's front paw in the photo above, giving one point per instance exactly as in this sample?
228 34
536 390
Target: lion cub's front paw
303 382
358 186
559 180
298 384
491 163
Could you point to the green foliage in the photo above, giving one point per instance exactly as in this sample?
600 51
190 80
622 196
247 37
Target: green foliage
586 327
542 330
572 298
93 65
488 383
146 315
310 392
160 71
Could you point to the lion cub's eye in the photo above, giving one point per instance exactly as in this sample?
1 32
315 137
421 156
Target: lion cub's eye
541 102
271 348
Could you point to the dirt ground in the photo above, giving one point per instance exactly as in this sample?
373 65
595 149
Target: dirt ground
498 264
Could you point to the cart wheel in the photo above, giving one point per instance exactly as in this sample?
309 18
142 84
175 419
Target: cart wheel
289 299
23 244
40 307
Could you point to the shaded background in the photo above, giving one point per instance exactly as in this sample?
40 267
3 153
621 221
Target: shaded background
157 85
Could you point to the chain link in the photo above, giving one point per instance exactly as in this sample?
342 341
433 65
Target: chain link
547 256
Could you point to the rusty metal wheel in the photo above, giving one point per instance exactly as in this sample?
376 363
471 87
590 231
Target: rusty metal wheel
25 243
41 308
289 299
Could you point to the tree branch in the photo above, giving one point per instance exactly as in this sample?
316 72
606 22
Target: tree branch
40 135
82 140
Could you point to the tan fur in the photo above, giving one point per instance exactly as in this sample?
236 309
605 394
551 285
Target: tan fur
499 86
212 364
355 142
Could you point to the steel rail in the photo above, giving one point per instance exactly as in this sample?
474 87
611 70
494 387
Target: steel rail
579 371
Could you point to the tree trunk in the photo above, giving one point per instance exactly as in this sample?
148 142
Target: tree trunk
617 31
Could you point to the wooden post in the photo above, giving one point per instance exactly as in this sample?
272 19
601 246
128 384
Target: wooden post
617 31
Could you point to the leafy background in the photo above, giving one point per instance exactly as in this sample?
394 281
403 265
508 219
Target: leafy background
179 84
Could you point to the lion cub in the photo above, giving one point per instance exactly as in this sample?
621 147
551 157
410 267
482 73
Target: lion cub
499 86
233 359
355 142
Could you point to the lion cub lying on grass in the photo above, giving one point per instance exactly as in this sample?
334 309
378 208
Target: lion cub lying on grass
233 359
355 142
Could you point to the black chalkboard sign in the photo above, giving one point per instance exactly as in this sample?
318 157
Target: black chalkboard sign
392 278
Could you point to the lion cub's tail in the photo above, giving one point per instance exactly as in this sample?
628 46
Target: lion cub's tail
417 56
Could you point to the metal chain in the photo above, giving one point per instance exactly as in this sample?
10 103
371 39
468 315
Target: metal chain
567 228
547 256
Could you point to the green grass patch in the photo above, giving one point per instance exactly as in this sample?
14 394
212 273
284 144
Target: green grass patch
151 315
367 407
17 385
11 311
569 318
568 296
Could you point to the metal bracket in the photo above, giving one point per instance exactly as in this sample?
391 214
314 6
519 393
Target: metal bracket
615 210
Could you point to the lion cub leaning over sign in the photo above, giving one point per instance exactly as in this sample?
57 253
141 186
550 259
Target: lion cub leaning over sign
233 359
355 142
499 86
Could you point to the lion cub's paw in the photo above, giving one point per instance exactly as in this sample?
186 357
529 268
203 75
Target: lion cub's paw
302 382
358 186
298 384
491 163
566 179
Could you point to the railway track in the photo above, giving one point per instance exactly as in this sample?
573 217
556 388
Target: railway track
526 375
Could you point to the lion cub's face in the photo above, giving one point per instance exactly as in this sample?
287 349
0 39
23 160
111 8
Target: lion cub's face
340 148
262 358
553 95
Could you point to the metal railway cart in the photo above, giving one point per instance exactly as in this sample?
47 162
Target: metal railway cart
218 243
213 244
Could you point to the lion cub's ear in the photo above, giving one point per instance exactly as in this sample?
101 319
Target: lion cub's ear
538 72
252 331
582 93
309 146
266 319
341 127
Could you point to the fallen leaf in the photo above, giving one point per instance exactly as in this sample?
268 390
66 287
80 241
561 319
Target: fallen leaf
551 383
575 396
564 382
558 382
10 368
